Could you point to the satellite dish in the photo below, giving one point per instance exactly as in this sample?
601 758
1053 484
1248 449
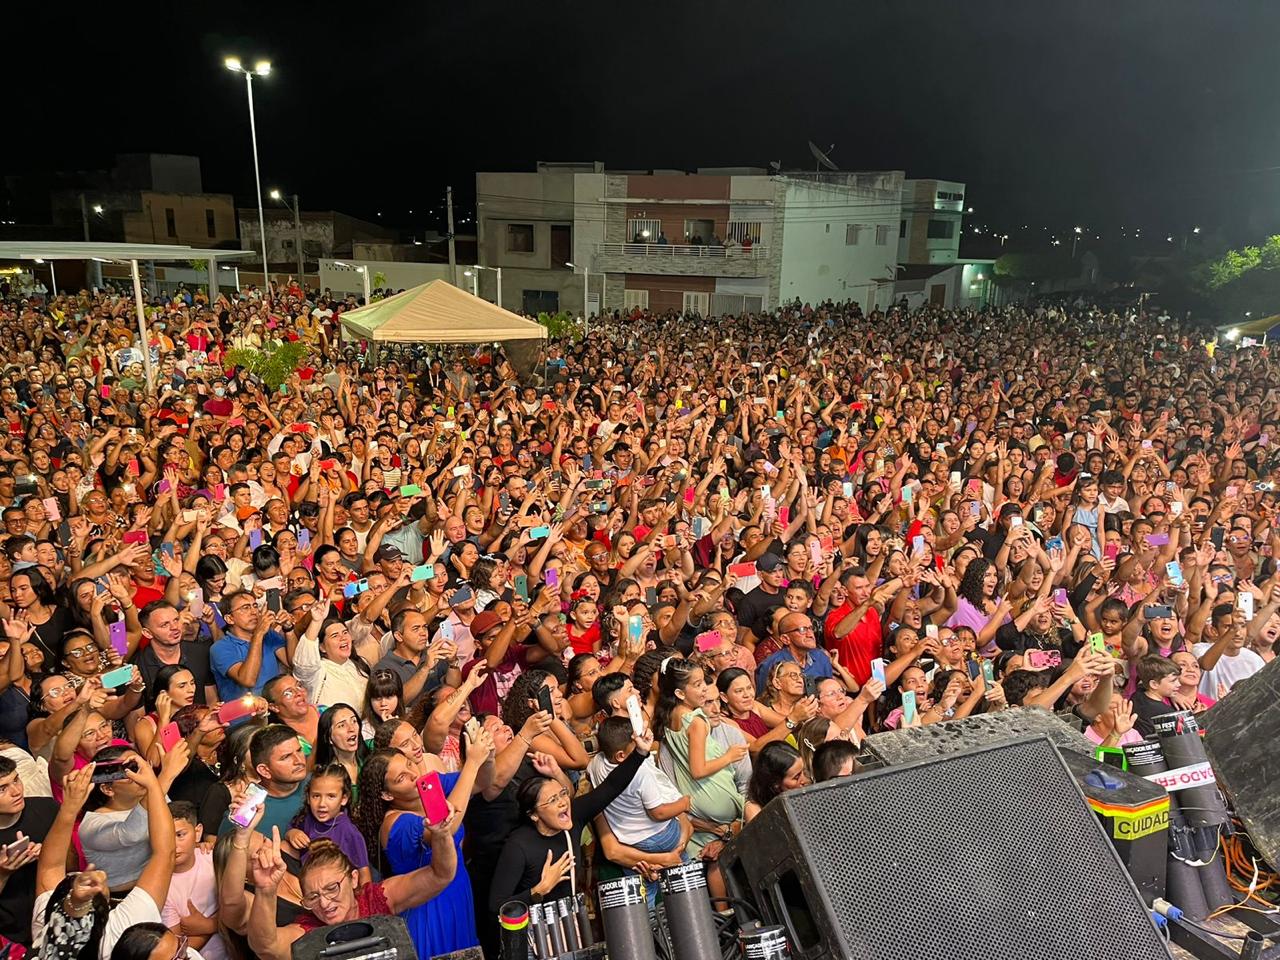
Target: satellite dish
821 156
775 166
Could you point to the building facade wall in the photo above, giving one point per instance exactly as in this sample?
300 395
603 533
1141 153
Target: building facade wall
181 218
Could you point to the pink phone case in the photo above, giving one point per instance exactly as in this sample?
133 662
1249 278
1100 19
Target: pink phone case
434 803
235 709
707 641
743 570
170 736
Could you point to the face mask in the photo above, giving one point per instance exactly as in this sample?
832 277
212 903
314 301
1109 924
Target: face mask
219 391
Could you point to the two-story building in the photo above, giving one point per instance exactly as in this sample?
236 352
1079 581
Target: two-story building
932 221
570 236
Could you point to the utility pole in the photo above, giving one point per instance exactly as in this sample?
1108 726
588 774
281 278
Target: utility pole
95 270
453 253
297 232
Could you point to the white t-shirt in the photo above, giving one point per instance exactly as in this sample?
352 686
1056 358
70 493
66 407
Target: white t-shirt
1229 670
198 886
137 907
627 815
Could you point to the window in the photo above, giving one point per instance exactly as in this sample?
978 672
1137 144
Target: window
170 224
949 195
902 229
519 238
941 229
631 299
882 235
311 249
210 225
561 245
643 231
851 231
287 243
699 303
740 230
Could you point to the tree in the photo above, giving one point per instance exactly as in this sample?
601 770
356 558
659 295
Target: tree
1036 266
273 366
1244 280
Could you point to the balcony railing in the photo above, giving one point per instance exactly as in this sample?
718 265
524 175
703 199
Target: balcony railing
756 251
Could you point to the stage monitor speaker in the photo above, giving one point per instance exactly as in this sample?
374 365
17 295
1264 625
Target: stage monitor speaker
371 938
1134 811
1241 734
992 853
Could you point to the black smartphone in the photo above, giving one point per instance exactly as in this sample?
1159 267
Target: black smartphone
651 597
273 601
1217 534
112 771
461 596
544 700
1157 612
810 686
975 668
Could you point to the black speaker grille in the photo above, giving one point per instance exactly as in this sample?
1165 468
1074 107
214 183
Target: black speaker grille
992 854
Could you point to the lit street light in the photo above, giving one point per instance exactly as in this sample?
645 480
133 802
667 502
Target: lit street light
585 296
1074 241
297 227
498 271
261 68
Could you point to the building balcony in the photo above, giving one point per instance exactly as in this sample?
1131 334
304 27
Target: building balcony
681 259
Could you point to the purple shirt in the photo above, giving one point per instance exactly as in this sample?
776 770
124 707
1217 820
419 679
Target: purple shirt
342 832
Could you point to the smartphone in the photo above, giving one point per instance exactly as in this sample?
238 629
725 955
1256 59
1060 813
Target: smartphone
255 538
635 628
304 540
784 515
1244 600
114 770
974 668
877 669
52 512
243 815
134 536
118 631
117 677
1060 597
354 588
170 736
273 601
544 700
195 602
931 631
189 516
472 728
908 707
1111 551
988 672
815 552
17 847
1174 569
1053 543
461 596
908 494
1157 612
521 585
462 470
1098 643
539 533
1041 659
1015 522
707 640
1176 508
1217 534
435 805
743 570
1157 539
975 507
651 596
233 710
847 489
635 714
917 545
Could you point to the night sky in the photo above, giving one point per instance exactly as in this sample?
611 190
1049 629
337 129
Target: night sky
1109 113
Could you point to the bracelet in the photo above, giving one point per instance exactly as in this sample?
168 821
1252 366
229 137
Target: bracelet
527 742
76 912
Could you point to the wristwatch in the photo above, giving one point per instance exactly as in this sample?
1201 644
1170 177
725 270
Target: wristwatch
791 724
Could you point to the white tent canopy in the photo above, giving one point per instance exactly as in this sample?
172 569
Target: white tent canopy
438 312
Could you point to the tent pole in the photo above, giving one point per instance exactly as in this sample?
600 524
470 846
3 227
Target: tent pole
142 323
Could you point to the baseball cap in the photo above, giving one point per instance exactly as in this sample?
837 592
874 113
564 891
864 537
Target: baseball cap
482 623
769 563
388 552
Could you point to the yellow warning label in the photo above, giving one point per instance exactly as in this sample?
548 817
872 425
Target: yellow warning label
1131 826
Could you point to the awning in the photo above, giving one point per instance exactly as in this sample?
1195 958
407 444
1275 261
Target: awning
438 312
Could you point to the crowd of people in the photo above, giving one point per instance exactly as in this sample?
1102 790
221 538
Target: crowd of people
423 635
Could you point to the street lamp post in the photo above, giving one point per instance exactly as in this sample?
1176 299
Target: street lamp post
1074 241
586 295
297 227
262 68
473 274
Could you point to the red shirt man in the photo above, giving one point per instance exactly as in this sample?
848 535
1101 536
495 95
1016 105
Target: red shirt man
852 631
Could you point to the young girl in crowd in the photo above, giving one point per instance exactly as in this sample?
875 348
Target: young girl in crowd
325 817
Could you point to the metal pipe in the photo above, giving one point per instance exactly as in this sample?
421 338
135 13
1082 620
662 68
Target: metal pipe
142 324
625 916
513 924
257 181
693 932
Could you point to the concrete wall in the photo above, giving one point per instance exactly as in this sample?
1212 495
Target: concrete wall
817 263
150 223
317 236
920 204
399 276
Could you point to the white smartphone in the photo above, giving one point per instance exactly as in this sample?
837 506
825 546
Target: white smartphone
1244 600
877 669
253 799
636 714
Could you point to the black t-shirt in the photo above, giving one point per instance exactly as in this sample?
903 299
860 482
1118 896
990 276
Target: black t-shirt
193 656
755 612
18 898
489 822
1146 711
1009 637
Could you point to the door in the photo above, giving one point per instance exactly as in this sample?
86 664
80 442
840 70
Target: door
698 303
561 245
938 295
